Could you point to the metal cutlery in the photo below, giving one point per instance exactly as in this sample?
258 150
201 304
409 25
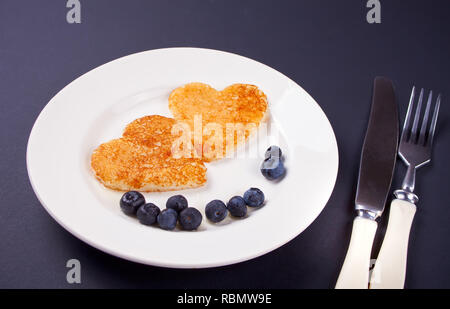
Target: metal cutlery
375 175
415 150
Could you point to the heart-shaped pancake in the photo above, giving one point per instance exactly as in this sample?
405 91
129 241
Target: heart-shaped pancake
142 159
219 120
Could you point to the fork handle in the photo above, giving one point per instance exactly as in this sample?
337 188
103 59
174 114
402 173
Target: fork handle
390 268
355 270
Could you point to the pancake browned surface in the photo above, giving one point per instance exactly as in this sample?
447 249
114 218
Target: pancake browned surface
152 131
237 104
142 159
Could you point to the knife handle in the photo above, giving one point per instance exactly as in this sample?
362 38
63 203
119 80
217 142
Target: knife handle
390 268
355 271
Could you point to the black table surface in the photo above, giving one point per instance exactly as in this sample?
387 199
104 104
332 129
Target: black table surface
325 46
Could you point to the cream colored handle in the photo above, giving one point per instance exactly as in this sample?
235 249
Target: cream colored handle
355 271
390 268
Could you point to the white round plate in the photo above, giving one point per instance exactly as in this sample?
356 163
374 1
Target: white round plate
96 107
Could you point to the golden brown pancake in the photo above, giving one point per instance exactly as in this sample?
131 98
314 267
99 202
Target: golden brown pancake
142 159
239 104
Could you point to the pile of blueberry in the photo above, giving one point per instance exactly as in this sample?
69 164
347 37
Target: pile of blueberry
177 210
133 203
216 210
273 167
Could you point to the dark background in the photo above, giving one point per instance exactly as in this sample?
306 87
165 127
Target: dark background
325 46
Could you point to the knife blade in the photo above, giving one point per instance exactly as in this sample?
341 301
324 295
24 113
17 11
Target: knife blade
379 151
377 165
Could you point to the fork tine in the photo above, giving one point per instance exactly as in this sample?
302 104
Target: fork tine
434 121
423 129
416 118
407 125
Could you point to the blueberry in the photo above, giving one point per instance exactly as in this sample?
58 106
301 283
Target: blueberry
254 197
167 219
147 213
273 168
177 203
273 151
190 219
216 211
131 201
237 207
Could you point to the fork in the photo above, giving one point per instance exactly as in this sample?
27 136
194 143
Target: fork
415 150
